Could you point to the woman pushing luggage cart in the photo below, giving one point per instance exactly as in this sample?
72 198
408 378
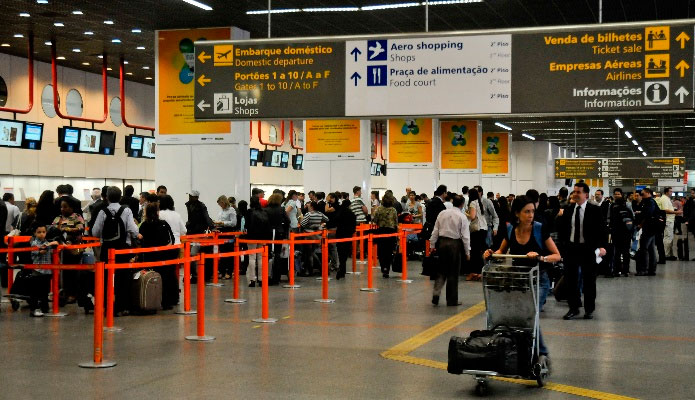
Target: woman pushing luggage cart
512 345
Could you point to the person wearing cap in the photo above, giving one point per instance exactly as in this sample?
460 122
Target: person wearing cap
260 193
198 218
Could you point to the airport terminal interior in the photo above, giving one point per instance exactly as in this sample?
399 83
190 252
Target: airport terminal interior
315 199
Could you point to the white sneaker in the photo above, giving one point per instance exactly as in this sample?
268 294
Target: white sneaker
37 313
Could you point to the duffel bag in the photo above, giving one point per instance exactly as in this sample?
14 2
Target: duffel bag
501 350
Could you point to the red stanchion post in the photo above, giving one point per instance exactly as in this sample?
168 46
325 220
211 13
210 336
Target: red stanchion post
216 264
290 268
200 317
10 262
97 359
55 287
186 281
370 274
110 288
324 273
237 261
264 292
354 257
404 259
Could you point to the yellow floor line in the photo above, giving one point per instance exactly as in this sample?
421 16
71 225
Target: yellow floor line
400 353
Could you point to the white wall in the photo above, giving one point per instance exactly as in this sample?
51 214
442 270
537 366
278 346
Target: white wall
33 171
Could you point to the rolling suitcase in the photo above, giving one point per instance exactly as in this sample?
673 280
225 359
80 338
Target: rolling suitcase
147 292
683 248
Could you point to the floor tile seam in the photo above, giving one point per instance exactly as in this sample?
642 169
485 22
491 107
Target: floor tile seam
621 336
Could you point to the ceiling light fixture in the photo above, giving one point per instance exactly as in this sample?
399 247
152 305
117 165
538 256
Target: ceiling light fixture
100 56
60 58
108 22
18 35
42 1
198 4
136 30
125 62
77 12
109 69
116 40
330 9
47 43
148 78
644 154
89 33
141 47
76 50
145 67
5 45
527 136
620 124
24 15
445 2
503 126
390 6
278 11
129 73
627 133
640 148
85 63
635 142
58 24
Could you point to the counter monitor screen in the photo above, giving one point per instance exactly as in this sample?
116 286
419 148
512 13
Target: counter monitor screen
276 160
298 161
68 139
375 169
253 157
149 147
33 134
11 133
90 141
285 160
108 143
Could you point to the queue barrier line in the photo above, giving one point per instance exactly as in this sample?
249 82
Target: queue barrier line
370 259
264 279
97 360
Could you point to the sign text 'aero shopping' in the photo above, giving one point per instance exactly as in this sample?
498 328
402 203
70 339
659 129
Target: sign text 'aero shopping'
621 67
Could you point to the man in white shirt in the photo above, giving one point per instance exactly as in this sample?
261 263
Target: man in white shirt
664 202
450 238
13 212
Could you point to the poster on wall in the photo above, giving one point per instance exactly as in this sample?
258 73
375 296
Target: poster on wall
333 136
175 60
495 153
459 146
410 142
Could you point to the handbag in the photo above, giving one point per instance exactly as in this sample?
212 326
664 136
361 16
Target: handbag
397 264
430 265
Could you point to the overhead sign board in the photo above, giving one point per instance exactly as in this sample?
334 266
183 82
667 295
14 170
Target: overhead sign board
618 67
620 168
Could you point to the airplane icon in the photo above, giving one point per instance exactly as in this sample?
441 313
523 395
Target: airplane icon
222 56
377 49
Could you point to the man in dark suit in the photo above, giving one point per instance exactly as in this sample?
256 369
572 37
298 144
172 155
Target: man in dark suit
433 208
583 228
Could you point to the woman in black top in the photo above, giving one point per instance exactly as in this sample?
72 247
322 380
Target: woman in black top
156 232
523 241
45 209
280 224
346 224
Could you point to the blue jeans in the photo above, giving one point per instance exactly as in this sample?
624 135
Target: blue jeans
541 344
649 255
544 282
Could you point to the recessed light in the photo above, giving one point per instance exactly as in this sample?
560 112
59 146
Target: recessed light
620 124
137 30
25 15
77 12
85 63
115 40
145 67
76 50
109 69
100 56
5 45
60 58
47 43
148 78
125 62
42 1
89 33
640 148
141 47
18 35
503 126
108 22
129 73
59 24
198 4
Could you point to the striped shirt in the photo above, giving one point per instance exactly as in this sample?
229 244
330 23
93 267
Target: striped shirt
312 221
356 208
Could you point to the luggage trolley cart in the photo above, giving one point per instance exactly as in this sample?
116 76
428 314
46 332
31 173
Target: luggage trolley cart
511 300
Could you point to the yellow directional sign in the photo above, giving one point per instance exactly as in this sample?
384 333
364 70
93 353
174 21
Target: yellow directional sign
202 80
682 37
224 56
656 65
657 38
682 66
203 57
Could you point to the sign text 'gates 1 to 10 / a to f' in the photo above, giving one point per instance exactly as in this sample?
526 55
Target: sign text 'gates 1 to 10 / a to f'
581 69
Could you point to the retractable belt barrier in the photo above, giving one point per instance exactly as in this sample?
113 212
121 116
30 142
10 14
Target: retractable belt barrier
212 239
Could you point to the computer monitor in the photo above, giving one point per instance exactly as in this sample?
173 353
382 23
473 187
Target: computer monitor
11 133
68 139
375 169
90 141
149 147
285 160
276 159
133 145
253 157
382 169
108 143
267 157
298 161
33 135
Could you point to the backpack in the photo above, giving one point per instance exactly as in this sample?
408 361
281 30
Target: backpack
114 232
537 233
628 222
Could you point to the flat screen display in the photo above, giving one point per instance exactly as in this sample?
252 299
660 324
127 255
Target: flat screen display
11 133
33 132
136 142
254 154
90 141
375 170
277 159
297 161
108 143
149 147
71 136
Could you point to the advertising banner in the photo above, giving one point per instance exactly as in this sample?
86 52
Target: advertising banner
410 141
495 149
333 136
459 145
175 57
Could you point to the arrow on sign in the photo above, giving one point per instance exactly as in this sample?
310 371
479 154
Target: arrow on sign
203 105
682 66
202 57
355 76
681 93
683 37
355 52
203 80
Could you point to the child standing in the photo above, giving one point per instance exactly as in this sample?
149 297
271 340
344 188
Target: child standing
40 279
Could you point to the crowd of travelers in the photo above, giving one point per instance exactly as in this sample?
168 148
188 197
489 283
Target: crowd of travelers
586 235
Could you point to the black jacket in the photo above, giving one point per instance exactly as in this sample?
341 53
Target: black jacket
278 219
595 233
617 226
434 207
132 203
346 223
198 218
3 220
258 225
